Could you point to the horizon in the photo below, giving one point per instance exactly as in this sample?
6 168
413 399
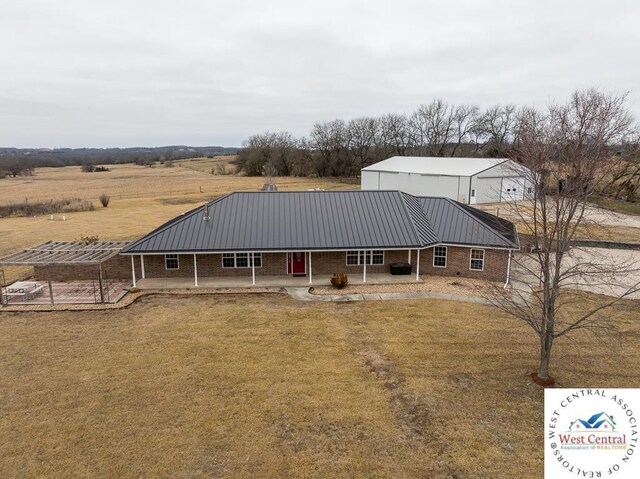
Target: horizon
82 75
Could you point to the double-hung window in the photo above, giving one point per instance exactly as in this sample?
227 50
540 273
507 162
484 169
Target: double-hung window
440 257
171 261
476 261
241 260
369 257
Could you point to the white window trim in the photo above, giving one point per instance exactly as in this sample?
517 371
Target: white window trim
362 252
177 261
235 261
446 256
484 256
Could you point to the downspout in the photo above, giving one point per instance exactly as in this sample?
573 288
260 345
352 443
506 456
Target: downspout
508 270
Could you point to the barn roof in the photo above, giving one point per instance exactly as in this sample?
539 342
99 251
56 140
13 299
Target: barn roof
318 220
66 252
431 165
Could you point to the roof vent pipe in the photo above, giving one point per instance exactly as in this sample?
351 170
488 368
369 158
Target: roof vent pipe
206 212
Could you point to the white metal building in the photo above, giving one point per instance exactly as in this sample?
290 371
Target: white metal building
467 180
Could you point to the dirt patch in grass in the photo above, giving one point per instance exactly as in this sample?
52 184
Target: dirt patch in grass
246 386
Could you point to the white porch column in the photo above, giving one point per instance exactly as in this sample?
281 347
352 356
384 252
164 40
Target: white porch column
253 269
418 265
364 270
310 273
142 266
195 271
409 256
133 271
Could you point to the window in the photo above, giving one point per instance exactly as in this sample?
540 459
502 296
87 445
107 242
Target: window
477 260
355 258
228 260
171 261
241 260
440 257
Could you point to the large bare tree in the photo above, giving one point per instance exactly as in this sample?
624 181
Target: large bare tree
569 152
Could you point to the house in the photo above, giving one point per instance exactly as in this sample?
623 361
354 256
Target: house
467 180
311 233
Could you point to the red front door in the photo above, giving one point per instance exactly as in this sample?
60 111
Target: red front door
297 264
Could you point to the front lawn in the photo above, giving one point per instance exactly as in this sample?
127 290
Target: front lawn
264 386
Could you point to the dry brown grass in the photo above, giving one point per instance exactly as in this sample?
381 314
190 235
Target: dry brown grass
133 181
211 386
141 199
206 165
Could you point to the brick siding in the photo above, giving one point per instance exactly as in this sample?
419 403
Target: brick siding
117 267
210 265
495 264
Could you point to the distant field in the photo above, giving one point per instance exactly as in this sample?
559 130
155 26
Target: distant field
141 199
189 178
216 165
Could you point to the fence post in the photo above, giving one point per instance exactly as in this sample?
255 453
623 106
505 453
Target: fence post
49 283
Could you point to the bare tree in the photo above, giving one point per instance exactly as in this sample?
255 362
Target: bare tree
465 119
432 128
567 152
498 127
362 136
393 137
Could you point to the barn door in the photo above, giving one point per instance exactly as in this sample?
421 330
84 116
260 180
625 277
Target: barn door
512 189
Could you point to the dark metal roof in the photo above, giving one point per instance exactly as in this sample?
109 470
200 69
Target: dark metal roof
67 252
315 220
455 223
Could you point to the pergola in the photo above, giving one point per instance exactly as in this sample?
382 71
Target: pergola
67 252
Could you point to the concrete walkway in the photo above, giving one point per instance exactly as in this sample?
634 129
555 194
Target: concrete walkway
303 294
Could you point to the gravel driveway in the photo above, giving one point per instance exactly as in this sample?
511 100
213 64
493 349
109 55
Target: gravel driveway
611 285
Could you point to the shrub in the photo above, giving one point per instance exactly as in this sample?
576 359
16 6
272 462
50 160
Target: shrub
89 239
65 205
339 280
104 199
88 168
101 168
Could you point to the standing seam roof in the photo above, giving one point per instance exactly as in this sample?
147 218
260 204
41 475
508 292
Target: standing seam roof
325 220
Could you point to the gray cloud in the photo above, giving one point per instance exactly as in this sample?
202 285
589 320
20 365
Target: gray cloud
124 73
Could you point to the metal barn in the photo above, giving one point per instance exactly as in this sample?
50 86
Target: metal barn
467 180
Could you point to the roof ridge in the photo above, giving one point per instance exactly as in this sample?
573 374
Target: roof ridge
422 241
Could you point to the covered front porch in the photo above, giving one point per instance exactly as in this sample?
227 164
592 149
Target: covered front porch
272 269
271 281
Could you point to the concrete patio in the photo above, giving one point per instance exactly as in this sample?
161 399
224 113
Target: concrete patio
268 281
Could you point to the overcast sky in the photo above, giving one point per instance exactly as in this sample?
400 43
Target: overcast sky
128 73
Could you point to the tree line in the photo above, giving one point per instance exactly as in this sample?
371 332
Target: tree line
22 161
342 148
